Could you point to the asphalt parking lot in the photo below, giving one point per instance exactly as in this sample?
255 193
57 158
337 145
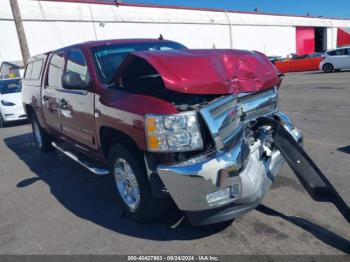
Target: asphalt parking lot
51 205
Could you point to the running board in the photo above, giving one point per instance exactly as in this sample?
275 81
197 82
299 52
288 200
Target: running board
310 176
95 170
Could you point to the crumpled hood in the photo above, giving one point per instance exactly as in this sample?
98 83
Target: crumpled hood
209 71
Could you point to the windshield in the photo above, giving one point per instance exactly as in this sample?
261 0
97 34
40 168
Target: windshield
10 86
109 57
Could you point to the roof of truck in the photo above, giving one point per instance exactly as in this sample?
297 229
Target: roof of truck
101 42
117 41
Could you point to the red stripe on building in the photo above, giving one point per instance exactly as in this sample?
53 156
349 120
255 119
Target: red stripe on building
343 37
305 37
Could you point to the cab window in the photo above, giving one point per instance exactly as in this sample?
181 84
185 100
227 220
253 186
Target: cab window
76 63
55 72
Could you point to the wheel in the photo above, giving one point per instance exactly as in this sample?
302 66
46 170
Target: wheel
132 185
2 121
327 68
42 139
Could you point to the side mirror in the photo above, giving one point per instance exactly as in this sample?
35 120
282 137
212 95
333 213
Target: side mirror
72 80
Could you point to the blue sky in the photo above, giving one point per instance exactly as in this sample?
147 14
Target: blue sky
335 8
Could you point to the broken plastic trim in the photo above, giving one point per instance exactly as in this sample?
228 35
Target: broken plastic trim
309 175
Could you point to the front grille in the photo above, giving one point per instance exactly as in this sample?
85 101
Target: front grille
226 117
220 109
259 104
259 112
255 96
223 119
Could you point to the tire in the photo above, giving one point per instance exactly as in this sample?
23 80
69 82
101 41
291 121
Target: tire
327 68
42 139
140 206
2 121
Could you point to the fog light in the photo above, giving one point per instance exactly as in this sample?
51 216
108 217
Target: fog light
235 190
224 195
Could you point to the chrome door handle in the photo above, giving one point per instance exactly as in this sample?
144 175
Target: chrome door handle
97 112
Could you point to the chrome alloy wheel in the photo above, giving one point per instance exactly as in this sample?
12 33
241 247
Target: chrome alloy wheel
37 134
126 183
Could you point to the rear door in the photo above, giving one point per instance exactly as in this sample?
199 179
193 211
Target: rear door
77 106
340 58
347 60
50 93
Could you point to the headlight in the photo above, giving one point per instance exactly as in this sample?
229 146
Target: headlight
173 133
7 103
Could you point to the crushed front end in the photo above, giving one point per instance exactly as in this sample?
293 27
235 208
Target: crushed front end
231 177
210 156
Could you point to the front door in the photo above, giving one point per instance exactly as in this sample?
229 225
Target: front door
77 106
50 93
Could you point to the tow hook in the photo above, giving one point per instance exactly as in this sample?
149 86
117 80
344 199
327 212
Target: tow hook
309 175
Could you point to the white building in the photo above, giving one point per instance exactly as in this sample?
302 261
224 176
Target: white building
53 24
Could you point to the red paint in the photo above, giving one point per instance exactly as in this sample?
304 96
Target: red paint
305 37
135 103
209 71
187 71
343 37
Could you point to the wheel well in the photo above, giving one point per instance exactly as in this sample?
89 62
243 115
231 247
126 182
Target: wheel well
110 136
327 64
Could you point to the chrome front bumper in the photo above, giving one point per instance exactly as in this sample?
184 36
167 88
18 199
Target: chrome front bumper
252 168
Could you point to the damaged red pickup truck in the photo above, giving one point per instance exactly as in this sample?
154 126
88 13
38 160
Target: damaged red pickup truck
165 121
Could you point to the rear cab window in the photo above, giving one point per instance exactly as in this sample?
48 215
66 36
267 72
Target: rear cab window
33 70
28 72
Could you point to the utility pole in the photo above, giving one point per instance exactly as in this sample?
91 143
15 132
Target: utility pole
20 30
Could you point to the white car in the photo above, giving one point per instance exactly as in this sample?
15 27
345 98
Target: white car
336 60
11 106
